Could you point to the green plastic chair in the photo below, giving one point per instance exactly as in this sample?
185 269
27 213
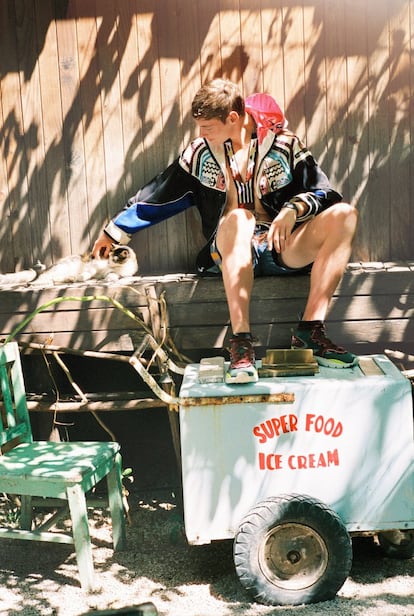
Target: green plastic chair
64 471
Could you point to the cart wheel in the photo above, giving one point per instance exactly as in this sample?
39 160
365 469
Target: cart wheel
292 549
397 543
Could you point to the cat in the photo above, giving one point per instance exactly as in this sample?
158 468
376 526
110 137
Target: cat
122 262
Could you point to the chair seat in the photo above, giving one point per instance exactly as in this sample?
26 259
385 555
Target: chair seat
45 468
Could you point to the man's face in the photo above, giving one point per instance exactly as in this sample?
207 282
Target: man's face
215 131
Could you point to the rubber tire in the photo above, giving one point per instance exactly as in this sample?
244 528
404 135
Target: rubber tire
306 532
397 544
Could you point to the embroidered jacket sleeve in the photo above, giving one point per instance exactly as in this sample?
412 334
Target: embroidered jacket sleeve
193 179
166 195
308 184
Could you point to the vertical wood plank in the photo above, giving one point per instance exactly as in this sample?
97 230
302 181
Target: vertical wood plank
7 141
272 44
128 76
37 195
251 46
169 251
399 107
314 78
189 45
210 40
149 109
49 77
358 115
109 53
98 208
336 159
15 233
233 57
410 221
294 73
376 203
72 132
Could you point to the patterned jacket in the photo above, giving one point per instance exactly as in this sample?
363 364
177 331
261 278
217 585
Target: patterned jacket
285 171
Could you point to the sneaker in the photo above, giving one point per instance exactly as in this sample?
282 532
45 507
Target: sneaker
311 335
242 360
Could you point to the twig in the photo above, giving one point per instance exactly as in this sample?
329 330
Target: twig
66 370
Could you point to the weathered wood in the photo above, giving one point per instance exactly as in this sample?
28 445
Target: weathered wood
77 323
15 234
377 238
370 308
95 100
400 80
53 123
372 311
250 26
141 402
335 54
294 79
276 335
72 135
37 215
93 135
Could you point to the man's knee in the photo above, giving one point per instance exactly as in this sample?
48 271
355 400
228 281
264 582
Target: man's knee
344 215
344 210
235 229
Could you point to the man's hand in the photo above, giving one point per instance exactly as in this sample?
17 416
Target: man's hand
102 246
281 229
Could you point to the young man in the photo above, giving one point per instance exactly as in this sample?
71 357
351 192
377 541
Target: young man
266 209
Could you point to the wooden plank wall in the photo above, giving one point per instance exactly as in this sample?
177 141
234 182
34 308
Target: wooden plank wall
95 99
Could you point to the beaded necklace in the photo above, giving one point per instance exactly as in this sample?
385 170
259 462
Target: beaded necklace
245 190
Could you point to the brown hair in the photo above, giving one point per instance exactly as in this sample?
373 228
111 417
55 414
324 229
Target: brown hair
217 99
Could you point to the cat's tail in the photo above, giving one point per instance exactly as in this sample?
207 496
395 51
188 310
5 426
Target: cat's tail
17 278
23 277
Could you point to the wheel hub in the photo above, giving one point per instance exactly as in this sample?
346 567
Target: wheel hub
293 556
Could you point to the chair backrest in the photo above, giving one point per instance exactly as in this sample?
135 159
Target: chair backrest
14 417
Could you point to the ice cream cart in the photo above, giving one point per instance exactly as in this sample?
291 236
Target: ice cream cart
292 467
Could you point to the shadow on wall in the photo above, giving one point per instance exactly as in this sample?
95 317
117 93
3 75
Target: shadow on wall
364 144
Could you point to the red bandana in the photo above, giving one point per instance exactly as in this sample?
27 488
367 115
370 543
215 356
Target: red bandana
266 113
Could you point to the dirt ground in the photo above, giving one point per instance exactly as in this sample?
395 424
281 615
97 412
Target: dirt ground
180 580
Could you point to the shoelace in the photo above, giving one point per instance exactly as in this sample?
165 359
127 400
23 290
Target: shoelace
241 351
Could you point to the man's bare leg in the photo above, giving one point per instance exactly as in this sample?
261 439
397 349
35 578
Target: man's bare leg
233 240
327 241
234 245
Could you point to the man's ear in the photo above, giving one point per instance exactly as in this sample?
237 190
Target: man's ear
233 117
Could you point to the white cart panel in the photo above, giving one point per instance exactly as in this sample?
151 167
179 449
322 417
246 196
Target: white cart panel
346 439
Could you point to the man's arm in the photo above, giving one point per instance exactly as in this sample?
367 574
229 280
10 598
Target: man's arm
166 195
313 190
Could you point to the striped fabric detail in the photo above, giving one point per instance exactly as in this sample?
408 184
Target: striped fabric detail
245 189
311 202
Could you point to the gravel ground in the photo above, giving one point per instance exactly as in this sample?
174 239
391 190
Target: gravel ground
181 580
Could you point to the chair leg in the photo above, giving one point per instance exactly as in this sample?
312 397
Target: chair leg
81 537
26 513
116 506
